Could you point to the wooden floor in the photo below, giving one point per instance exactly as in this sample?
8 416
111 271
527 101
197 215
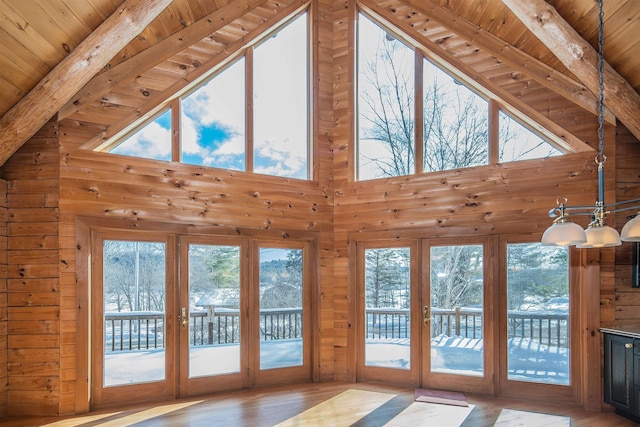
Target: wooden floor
331 404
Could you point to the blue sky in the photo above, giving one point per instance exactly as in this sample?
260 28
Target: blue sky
213 116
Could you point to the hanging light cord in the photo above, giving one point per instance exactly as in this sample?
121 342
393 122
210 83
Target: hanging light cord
601 81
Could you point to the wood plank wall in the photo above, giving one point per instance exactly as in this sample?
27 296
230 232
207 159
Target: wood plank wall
621 304
33 312
49 190
3 298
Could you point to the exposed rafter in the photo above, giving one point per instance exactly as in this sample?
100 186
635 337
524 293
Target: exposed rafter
147 59
540 72
74 71
580 57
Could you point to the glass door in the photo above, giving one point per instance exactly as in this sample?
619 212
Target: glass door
281 315
454 314
212 329
388 332
536 343
132 337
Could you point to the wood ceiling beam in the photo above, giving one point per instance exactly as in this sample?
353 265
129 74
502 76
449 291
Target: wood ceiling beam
74 71
540 72
580 57
159 52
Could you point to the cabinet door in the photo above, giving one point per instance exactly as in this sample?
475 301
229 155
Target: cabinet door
618 375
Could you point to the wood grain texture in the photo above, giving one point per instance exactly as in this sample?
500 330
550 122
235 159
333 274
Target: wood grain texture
51 93
320 403
578 56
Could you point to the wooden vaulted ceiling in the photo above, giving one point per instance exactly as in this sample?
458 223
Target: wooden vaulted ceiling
485 39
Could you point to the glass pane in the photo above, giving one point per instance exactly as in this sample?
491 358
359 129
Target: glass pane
153 141
280 111
538 313
457 344
281 333
213 121
519 143
214 310
387 301
386 93
456 123
134 312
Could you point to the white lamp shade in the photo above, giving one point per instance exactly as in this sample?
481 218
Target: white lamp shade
601 237
631 230
563 234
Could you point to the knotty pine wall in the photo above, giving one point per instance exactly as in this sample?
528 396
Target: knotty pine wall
34 328
621 302
51 188
3 298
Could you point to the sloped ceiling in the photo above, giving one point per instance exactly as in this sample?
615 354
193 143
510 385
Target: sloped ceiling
36 35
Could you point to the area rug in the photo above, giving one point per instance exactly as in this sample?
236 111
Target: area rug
513 418
440 396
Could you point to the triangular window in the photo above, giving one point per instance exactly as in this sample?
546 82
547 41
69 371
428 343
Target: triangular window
214 128
398 87
152 141
519 143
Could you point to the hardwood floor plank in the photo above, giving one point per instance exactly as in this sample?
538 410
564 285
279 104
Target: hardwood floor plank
321 404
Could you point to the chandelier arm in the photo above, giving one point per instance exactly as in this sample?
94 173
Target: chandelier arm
576 210
635 207
636 200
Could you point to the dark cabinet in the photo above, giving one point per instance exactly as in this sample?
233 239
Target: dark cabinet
622 374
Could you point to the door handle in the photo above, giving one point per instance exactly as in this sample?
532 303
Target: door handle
427 318
185 319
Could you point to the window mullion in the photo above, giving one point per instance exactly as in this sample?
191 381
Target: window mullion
176 140
419 112
249 109
494 131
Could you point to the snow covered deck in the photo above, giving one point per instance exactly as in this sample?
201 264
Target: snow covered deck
528 360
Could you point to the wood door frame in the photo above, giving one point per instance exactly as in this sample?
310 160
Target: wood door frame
311 341
200 385
570 394
481 384
363 372
87 225
102 396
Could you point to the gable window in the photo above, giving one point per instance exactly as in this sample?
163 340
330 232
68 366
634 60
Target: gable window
152 141
212 121
251 115
519 143
398 87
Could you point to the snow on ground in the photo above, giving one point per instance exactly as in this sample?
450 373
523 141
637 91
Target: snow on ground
528 360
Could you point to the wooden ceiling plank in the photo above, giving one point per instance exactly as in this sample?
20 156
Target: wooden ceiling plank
18 28
543 74
55 90
22 59
581 58
161 51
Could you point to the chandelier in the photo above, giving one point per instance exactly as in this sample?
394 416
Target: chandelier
564 232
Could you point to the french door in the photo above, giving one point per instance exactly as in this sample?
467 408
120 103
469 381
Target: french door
422 312
457 332
133 337
186 315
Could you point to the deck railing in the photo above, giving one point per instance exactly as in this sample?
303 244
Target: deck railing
145 330
126 331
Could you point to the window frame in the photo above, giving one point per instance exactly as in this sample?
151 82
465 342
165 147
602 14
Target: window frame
173 103
495 103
